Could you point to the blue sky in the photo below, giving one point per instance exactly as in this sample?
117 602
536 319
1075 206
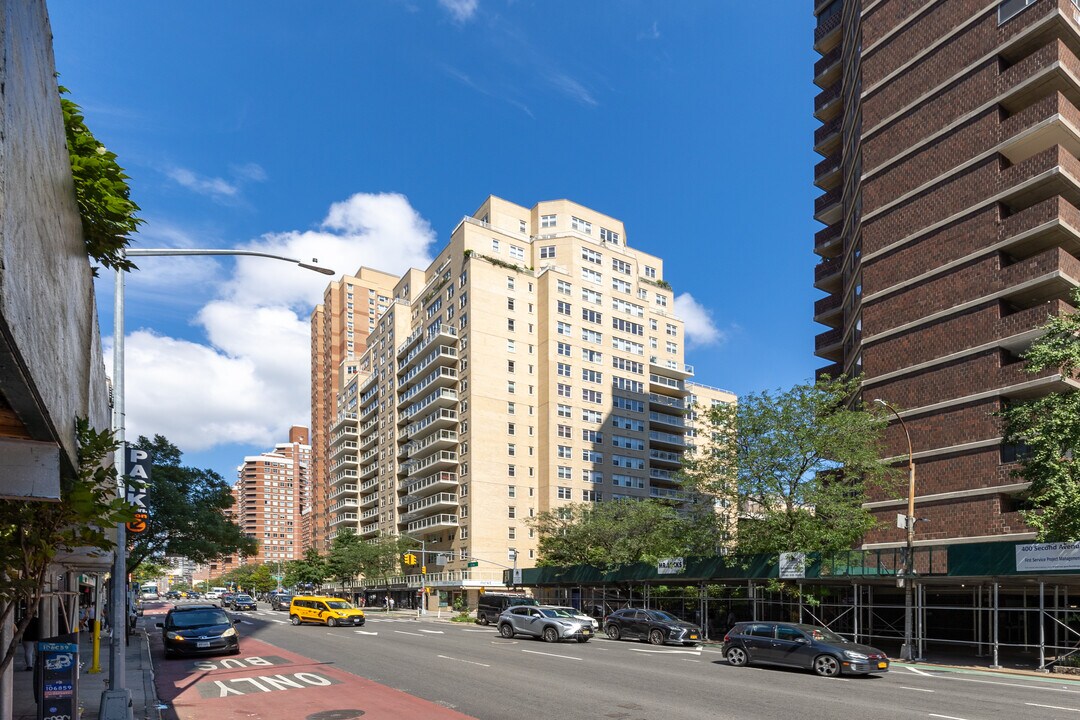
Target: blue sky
361 132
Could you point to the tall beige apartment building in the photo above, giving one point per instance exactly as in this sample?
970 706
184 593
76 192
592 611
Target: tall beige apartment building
339 330
269 492
535 363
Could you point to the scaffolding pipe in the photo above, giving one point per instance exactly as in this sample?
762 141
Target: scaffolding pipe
858 592
996 636
1042 628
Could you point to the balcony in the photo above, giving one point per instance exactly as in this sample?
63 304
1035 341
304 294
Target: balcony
349 490
441 460
662 438
827 207
343 462
435 522
347 419
369 530
438 420
432 483
348 430
368 441
827 104
668 494
827 32
437 439
656 418
668 476
827 172
369 500
439 501
827 310
828 345
827 275
368 514
828 241
344 518
442 355
367 412
410 353
827 138
439 377
439 398
341 505
369 471
827 68
345 475
337 450
664 401
665 457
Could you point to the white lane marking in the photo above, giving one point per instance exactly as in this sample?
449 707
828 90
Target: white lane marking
365 632
667 652
280 622
995 682
690 660
905 687
447 657
564 657
920 672
480 631
946 717
1052 707
433 632
403 632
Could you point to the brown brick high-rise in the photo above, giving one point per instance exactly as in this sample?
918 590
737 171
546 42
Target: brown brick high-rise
950 135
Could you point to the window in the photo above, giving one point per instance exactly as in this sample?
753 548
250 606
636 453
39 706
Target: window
562 307
643 293
592 336
581 225
510 366
592 376
625 423
510 325
590 255
592 416
511 471
511 449
511 386
621 441
510 346
591 495
591 456
628 481
627 346
547 221
547 252
632 463
511 408
634 386
564 451
628 307
563 411
592 476
564 493
620 285
672 330
591 296
652 324
511 533
563 287
594 356
592 436
629 365
563 328
609 236
591 315
620 266
509 283
511 429
517 253
563 369
511 490
509 303
626 326
563 431
650 272
522 226
593 396
591 276
563 390
672 347
661 300
563 349
564 472
511 512
494 246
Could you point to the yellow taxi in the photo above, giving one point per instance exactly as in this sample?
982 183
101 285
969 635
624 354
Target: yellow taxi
330 611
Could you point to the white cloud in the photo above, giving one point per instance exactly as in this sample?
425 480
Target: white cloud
213 187
461 10
698 322
252 380
572 88
653 33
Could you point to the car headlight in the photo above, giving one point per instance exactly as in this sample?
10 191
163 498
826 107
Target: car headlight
852 655
173 636
229 633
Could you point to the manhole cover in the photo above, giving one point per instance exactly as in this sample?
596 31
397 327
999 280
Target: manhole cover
336 715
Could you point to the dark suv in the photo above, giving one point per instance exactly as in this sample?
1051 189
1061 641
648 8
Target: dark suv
491 607
280 601
803 646
656 626
197 630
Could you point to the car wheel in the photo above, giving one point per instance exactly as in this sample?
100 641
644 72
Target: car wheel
826 666
483 619
737 656
331 622
613 632
506 631
551 635
656 637
295 620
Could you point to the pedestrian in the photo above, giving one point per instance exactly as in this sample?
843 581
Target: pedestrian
31 635
391 603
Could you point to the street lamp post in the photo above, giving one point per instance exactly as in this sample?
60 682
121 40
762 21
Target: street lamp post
420 606
906 652
514 555
115 701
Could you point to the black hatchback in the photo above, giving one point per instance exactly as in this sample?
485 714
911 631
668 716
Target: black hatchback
198 630
803 646
656 626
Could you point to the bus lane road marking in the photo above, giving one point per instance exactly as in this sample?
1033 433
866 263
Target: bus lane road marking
564 657
470 662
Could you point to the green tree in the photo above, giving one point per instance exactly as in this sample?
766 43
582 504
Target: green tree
344 562
149 571
187 508
309 570
1046 430
613 534
382 558
33 532
262 579
795 464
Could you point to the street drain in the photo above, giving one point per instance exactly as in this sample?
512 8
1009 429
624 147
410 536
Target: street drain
336 715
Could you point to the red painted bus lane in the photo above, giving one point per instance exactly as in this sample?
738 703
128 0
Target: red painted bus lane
268 682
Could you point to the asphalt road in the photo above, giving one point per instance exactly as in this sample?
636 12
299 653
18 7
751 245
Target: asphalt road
473 670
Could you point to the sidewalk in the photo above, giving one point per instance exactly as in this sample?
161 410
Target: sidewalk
139 680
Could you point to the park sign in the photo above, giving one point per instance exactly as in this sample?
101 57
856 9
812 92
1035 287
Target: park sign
137 463
1041 557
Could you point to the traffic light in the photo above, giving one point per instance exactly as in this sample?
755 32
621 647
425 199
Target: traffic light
481 589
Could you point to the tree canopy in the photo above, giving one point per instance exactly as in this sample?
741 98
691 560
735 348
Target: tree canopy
796 464
1046 431
617 533
187 508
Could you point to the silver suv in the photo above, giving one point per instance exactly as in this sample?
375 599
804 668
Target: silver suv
548 623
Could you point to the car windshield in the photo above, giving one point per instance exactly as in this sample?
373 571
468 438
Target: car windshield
339 605
243 598
823 634
199 618
565 612
662 616
550 612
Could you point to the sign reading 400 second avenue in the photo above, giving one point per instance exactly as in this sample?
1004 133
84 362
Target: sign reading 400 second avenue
138 465
1035 557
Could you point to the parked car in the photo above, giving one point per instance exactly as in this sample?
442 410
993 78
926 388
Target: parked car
574 612
280 601
656 626
330 611
243 602
225 599
543 622
490 607
198 630
803 646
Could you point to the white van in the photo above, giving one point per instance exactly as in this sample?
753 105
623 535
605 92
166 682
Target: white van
216 593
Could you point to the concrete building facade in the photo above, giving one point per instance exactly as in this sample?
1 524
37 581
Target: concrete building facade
536 362
950 137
